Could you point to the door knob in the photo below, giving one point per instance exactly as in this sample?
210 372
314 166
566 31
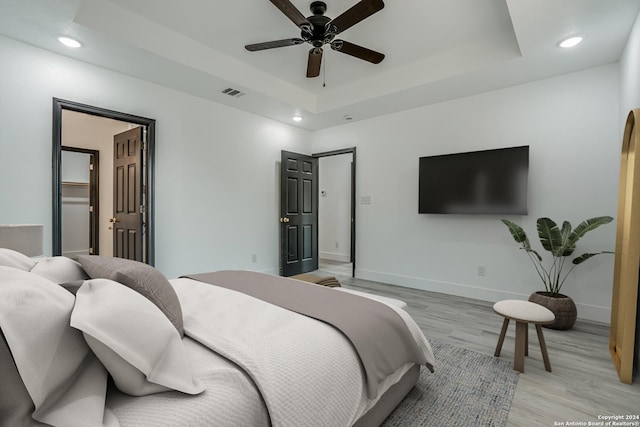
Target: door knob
113 220
285 219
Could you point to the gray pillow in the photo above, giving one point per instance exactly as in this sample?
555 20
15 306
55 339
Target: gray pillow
140 277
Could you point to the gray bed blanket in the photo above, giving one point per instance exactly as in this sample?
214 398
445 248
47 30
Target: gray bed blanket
379 335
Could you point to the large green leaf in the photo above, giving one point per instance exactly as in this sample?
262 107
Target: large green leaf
582 229
520 236
566 232
517 232
582 258
550 235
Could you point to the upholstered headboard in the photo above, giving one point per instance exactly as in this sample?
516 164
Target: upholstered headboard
24 238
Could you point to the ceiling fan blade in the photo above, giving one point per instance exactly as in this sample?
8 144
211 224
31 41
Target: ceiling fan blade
273 44
361 10
314 62
357 51
294 15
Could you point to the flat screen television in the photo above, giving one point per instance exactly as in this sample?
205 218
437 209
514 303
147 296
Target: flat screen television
478 182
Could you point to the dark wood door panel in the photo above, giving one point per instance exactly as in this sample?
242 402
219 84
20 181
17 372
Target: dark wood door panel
132 190
307 242
307 197
292 196
292 244
119 192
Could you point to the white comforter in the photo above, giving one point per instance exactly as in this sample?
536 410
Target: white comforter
230 398
307 372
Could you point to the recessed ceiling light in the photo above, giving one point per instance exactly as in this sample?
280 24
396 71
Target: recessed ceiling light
571 41
297 118
69 42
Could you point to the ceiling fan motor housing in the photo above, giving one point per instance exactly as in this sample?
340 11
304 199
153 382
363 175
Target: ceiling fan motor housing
318 7
319 35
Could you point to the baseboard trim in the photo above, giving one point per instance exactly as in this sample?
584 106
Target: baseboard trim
585 311
331 256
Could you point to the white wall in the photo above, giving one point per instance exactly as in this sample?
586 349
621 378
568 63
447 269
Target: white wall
334 217
630 72
216 167
571 123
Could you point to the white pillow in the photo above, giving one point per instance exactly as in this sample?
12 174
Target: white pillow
11 258
65 381
59 269
134 340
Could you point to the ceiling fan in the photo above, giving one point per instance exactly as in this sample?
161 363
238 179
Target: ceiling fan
318 30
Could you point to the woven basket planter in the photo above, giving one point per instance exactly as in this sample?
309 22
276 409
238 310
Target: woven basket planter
561 305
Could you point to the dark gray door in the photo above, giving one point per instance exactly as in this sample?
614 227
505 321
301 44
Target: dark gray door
127 195
298 213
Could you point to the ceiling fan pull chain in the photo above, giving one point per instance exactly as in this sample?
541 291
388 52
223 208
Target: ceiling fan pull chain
324 72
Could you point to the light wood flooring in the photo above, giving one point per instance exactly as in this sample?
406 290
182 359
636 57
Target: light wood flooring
583 383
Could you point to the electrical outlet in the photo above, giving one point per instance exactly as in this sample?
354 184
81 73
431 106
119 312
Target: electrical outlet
254 258
482 270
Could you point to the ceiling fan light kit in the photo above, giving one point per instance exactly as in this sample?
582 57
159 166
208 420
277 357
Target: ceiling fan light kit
318 30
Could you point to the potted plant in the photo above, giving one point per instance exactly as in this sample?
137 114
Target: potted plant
561 243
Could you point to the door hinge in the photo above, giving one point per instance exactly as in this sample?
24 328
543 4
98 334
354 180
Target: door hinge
90 166
90 251
90 208
142 209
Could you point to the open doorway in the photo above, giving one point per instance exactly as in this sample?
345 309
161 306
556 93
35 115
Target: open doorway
336 211
83 134
80 201
299 217
81 226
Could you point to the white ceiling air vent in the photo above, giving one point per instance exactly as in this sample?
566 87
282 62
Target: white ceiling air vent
233 92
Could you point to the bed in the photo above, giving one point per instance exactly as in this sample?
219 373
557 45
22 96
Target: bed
110 342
